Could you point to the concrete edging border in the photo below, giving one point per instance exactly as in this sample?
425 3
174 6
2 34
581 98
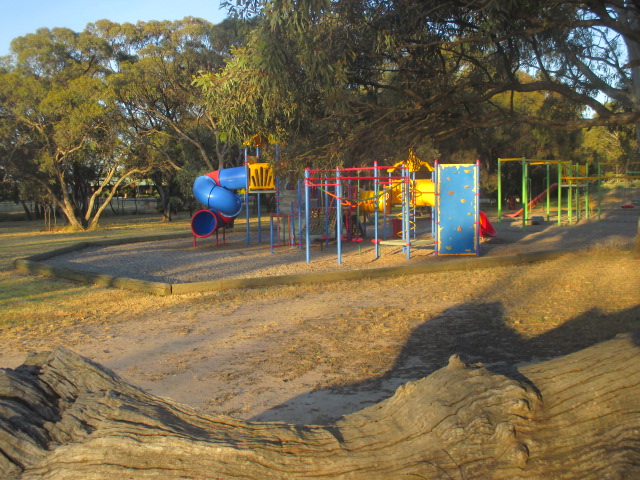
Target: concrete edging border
34 265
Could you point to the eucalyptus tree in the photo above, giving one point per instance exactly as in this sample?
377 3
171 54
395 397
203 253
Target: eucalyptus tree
155 63
83 113
61 123
432 69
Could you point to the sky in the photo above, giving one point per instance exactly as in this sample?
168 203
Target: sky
20 17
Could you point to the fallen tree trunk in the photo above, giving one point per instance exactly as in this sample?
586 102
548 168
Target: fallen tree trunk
64 417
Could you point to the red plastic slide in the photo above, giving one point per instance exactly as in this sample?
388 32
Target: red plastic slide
533 202
486 229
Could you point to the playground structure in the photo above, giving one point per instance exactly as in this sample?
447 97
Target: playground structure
341 199
222 193
453 194
580 185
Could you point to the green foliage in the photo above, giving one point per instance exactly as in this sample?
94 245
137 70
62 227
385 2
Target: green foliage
397 73
342 82
86 113
157 61
60 116
616 146
249 97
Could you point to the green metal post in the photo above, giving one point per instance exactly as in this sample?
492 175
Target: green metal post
356 229
599 190
499 190
525 212
587 207
572 200
559 193
548 192
570 197
576 200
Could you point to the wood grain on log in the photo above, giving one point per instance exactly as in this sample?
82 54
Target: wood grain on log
64 417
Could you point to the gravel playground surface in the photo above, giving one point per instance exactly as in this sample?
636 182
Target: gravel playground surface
311 353
177 261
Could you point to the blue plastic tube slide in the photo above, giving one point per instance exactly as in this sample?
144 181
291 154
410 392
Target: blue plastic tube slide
214 191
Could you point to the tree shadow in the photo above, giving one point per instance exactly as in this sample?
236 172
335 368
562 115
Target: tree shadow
479 333
616 227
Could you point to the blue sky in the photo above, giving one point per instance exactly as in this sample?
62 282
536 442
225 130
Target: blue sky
20 17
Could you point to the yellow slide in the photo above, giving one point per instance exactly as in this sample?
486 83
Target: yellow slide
369 203
424 193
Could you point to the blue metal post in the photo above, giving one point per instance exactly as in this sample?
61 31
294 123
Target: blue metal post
413 195
499 190
258 199
525 193
406 211
300 212
436 210
433 208
477 208
388 203
306 213
326 207
246 191
271 234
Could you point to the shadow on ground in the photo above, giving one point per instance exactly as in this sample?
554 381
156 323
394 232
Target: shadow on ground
616 227
477 332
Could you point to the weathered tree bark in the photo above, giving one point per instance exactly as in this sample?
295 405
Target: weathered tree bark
577 417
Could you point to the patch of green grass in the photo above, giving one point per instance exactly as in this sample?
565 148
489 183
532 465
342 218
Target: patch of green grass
21 239
42 311
29 302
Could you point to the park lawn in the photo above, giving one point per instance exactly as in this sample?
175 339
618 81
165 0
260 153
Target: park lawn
238 352
37 306
599 287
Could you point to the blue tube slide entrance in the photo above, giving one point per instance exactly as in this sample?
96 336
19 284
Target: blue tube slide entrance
204 223
214 191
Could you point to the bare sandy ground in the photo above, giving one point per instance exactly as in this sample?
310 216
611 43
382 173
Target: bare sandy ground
309 354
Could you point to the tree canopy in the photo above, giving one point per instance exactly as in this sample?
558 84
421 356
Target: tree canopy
415 70
339 82
85 113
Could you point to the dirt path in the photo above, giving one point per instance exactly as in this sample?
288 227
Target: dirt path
308 354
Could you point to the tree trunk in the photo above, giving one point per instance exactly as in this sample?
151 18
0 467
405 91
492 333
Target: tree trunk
164 200
26 210
630 20
574 417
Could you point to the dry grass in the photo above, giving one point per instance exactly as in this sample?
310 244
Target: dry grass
244 351
46 307
38 311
